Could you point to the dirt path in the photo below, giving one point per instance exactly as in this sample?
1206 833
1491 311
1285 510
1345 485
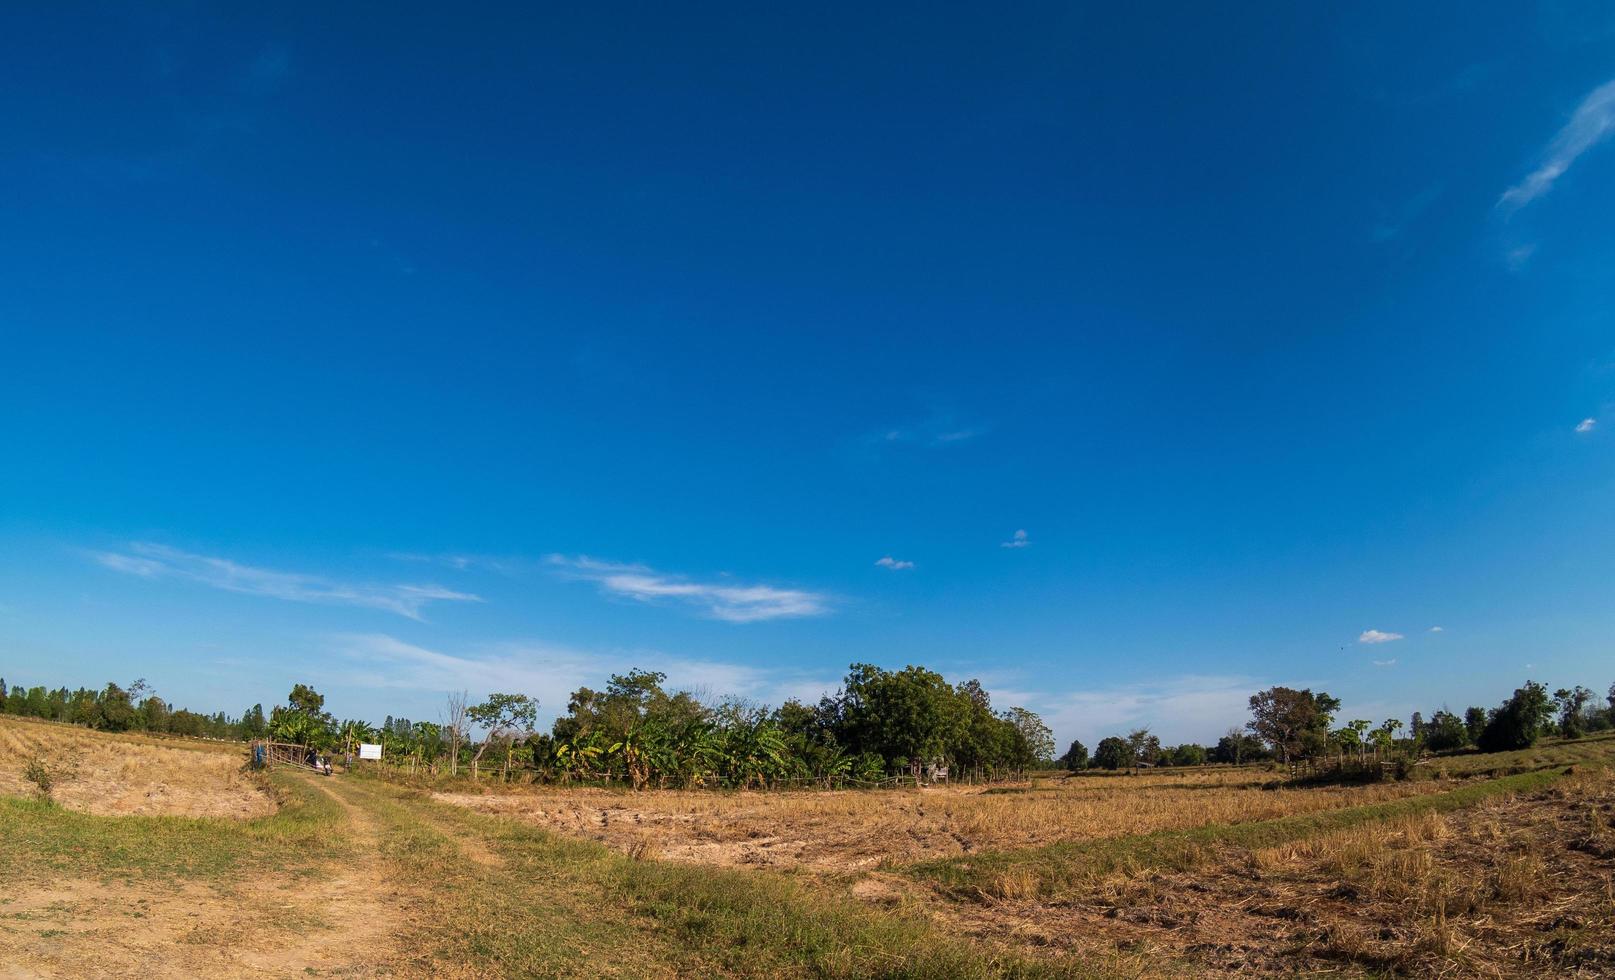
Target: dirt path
339 921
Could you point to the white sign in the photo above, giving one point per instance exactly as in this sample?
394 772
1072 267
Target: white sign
369 751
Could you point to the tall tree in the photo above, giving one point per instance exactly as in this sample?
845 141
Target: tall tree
505 717
1039 739
1113 753
1295 723
1518 722
454 725
1076 757
1571 702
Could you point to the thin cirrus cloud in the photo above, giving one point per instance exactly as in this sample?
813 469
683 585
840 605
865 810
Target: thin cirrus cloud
895 564
160 561
730 602
1585 426
1017 540
1438 629
1385 663
1589 125
1377 636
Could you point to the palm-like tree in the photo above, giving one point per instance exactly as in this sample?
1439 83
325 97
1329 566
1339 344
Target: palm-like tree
352 731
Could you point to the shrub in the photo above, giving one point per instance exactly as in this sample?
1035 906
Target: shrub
39 774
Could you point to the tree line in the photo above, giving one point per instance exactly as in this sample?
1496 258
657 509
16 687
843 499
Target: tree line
1290 725
879 724
116 708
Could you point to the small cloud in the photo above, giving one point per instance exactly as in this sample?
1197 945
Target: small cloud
728 602
1017 540
1385 663
1438 629
894 564
1589 125
956 435
1376 636
937 432
1585 426
1515 258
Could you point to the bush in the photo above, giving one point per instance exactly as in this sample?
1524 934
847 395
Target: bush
39 774
1515 725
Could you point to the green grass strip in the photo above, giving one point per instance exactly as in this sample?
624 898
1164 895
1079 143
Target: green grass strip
37 836
1058 870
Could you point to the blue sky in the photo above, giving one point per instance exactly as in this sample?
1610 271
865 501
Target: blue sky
1167 352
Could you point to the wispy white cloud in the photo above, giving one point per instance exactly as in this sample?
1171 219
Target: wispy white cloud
1017 540
1585 426
1376 636
1438 629
894 564
939 431
1385 663
160 561
1516 258
727 601
1589 125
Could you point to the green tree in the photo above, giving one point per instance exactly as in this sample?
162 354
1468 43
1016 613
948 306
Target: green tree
1187 754
307 700
910 714
1113 753
1238 747
1517 723
1445 731
1076 757
1039 739
505 717
1474 723
1571 702
153 714
116 713
253 723
1145 747
1295 723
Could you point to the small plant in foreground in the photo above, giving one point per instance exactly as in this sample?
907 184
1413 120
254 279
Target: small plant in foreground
39 774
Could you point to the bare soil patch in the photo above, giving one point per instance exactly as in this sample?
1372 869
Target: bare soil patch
119 775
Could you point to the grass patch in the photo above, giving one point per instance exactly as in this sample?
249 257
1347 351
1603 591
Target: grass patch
38 837
1064 869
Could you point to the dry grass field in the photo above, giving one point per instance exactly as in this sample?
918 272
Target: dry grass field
853 830
1521 884
1499 865
128 774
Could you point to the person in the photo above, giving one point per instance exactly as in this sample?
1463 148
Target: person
326 763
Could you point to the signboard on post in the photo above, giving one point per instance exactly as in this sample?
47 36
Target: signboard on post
368 750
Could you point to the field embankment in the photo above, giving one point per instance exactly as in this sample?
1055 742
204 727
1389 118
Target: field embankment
99 773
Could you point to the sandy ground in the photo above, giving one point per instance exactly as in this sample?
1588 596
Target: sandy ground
130 774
